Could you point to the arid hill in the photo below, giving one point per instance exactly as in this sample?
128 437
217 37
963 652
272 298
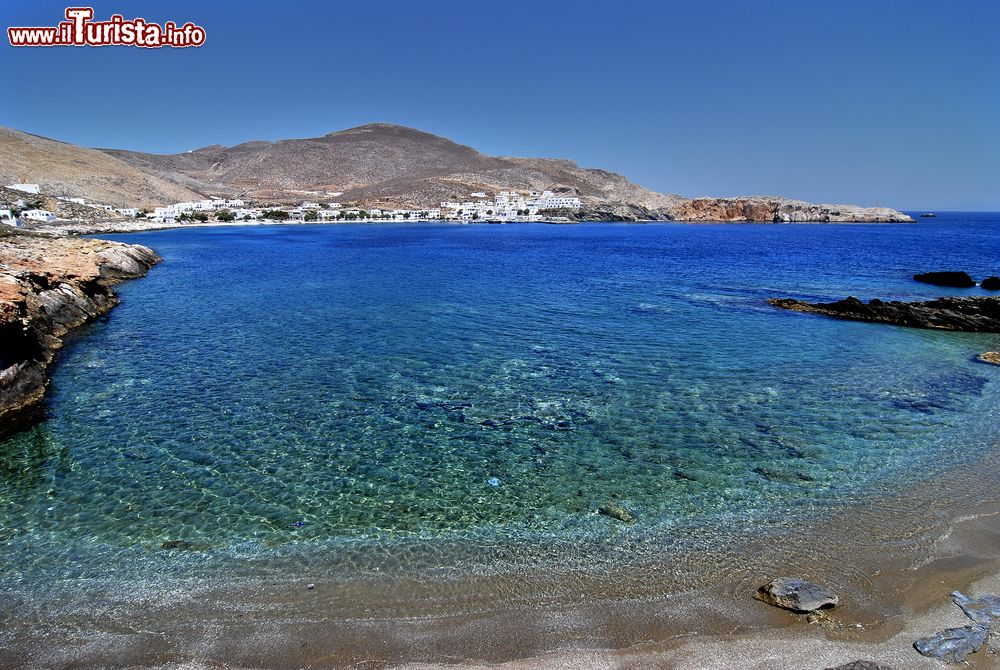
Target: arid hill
373 165
379 163
63 169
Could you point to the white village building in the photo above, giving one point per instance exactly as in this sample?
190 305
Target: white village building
7 218
26 188
38 215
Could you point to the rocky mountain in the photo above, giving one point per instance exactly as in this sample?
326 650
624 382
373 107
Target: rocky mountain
63 169
379 163
393 166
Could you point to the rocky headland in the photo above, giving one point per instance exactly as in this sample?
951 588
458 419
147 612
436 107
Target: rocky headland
975 314
48 286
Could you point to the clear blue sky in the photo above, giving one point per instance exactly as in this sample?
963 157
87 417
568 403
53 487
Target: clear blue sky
866 101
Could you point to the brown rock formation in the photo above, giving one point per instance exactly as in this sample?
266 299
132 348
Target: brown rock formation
49 286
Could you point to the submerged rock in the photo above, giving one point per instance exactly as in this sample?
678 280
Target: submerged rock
978 315
797 595
954 644
991 284
616 511
950 279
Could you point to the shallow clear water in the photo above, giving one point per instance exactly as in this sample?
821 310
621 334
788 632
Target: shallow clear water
276 391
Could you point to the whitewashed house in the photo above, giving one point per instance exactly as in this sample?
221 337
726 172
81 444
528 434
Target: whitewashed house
26 188
42 215
128 211
165 214
7 218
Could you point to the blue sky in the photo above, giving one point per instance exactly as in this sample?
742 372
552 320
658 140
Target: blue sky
872 102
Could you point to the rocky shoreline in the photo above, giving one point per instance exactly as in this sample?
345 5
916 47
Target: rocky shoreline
750 209
975 314
49 286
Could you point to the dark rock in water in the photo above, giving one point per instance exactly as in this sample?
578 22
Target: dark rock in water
861 665
954 644
977 315
797 595
992 357
616 511
985 609
991 284
950 279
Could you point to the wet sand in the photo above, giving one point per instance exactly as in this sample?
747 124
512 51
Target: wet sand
893 560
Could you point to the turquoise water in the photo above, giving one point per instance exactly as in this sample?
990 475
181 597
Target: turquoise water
270 392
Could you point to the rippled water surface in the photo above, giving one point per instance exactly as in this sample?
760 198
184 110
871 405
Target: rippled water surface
283 392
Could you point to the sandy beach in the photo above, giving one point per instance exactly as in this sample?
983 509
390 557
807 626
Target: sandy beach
893 561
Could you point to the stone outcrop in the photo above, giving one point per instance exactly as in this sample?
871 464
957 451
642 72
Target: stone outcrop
48 286
991 357
751 209
949 279
991 284
778 210
975 314
797 595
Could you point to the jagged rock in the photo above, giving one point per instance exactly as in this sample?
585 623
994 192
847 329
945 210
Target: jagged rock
950 279
985 609
49 286
991 284
616 511
978 314
861 665
954 644
797 595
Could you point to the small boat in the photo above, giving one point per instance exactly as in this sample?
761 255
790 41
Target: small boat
928 215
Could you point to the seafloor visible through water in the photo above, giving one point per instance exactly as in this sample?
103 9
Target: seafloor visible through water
445 399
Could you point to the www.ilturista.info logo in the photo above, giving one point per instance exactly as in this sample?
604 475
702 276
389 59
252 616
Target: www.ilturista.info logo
80 30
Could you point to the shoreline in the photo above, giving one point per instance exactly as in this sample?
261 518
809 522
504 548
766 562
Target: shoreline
892 566
72 228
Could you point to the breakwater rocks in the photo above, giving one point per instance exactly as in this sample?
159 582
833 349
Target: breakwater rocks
976 314
48 286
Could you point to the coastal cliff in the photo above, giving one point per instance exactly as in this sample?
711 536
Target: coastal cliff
48 286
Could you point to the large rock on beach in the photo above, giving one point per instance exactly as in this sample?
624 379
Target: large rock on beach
949 279
952 645
975 314
797 595
984 609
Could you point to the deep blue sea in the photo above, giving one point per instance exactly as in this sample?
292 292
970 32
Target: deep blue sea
280 390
